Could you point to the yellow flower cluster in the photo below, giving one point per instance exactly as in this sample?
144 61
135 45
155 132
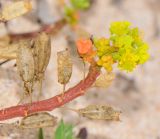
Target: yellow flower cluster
124 46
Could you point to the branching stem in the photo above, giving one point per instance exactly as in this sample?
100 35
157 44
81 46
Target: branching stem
54 102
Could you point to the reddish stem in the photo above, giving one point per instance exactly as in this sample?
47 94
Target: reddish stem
50 29
54 102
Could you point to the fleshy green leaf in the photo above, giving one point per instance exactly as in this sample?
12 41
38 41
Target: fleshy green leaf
64 131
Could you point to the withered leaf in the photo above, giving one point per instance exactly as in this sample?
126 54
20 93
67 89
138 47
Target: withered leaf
100 112
42 52
25 64
14 10
104 80
8 51
38 120
64 66
4 40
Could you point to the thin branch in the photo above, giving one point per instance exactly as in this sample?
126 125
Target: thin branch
52 29
54 102
5 61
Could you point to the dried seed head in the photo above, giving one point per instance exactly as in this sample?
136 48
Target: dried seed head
64 66
25 61
104 80
15 9
100 112
38 120
8 51
42 52
25 64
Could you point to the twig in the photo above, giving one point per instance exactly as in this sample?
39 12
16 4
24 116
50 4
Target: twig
5 61
54 102
52 29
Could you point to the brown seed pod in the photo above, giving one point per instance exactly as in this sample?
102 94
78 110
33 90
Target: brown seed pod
25 64
64 66
14 10
104 80
99 112
38 120
42 52
8 51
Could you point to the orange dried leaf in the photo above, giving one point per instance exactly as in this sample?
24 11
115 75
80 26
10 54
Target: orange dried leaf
84 46
89 56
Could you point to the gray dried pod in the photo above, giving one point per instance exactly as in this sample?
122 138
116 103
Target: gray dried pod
38 120
64 66
41 52
25 64
104 80
99 112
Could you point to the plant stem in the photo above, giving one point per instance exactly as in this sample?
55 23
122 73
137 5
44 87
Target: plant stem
54 102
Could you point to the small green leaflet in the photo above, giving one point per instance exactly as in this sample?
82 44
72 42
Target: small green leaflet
64 131
80 4
40 133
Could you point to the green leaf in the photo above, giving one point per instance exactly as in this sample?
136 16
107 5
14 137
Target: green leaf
80 4
40 133
64 131
70 15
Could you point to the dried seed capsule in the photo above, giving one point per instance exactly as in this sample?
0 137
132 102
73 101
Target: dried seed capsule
104 80
14 10
64 66
100 112
42 52
25 65
8 51
38 120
